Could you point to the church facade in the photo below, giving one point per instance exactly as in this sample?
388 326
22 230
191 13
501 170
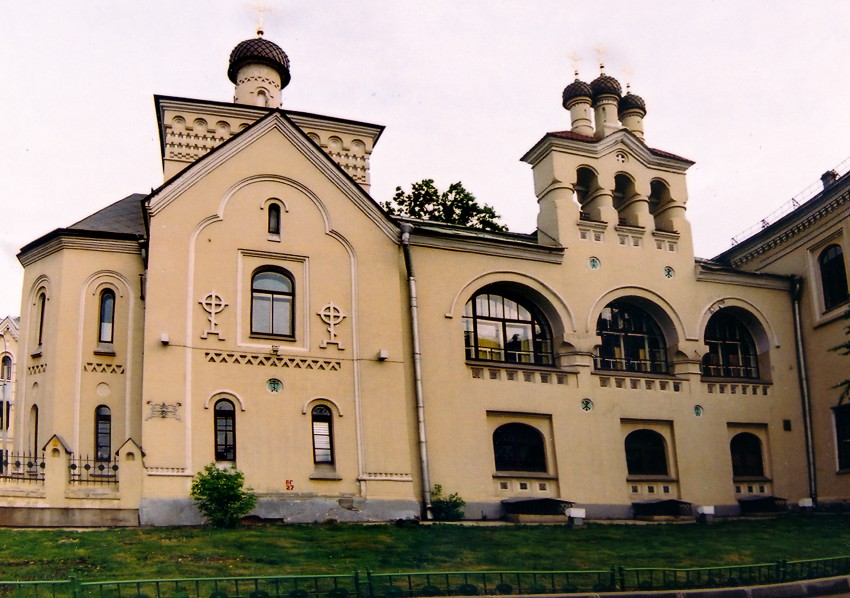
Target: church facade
260 309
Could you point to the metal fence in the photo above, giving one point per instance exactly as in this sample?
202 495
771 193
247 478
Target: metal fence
22 467
443 583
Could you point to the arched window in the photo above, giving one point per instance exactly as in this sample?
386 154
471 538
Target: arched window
6 369
274 219
646 453
503 328
42 299
107 317
731 350
103 433
833 276
34 429
842 434
225 431
323 446
519 447
272 303
746 456
631 340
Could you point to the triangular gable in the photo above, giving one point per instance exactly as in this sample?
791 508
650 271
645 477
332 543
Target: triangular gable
278 122
10 325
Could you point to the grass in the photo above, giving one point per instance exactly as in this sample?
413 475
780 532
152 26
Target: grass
147 553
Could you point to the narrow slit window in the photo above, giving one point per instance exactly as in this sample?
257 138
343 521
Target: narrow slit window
323 450
107 317
102 433
274 219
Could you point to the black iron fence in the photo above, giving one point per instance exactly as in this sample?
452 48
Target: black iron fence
84 470
22 467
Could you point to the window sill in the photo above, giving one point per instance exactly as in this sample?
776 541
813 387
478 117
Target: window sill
37 353
105 349
274 237
537 475
630 374
650 478
325 472
273 337
751 478
506 365
730 380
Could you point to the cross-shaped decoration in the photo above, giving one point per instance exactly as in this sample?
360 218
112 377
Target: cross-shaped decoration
332 316
213 304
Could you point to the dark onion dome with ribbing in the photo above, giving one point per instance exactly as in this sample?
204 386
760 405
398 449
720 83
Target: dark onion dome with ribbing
631 102
262 51
577 89
605 85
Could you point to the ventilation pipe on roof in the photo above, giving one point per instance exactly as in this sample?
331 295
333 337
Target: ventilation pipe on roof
796 293
406 229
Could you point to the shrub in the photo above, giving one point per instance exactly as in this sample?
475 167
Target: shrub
299 593
537 588
430 590
504 588
220 495
338 593
467 589
446 508
218 594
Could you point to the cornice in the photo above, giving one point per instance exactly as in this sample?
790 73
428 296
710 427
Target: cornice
606 145
551 255
805 220
315 121
61 242
707 273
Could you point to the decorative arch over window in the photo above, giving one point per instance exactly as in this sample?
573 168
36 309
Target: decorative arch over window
323 445
833 276
224 414
106 320
499 326
519 447
747 460
273 303
731 349
632 341
646 453
103 433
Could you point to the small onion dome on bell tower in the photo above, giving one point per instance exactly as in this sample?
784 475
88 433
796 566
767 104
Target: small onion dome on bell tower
606 94
260 70
576 99
632 109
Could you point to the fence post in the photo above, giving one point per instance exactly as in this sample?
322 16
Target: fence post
357 584
615 583
74 582
369 583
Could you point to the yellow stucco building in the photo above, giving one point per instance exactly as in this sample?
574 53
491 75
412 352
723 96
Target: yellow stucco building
260 309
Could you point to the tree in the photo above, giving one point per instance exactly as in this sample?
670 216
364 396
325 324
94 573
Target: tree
220 495
456 205
844 349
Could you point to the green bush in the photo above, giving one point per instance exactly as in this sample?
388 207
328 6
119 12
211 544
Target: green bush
430 590
218 594
538 588
220 495
504 588
338 593
446 508
467 589
299 593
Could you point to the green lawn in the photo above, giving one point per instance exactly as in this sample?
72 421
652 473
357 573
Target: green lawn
282 549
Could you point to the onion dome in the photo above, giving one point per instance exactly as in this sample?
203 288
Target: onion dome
577 89
631 102
262 51
605 85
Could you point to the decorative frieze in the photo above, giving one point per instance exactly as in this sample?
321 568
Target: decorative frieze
164 410
37 369
103 368
273 361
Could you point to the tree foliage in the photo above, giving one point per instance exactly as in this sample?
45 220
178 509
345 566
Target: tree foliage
844 349
455 205
220 495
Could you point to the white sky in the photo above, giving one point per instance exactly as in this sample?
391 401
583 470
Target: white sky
755 92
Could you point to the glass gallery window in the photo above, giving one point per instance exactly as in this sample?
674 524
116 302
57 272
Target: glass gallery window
272 303
631 341
507 329
731 350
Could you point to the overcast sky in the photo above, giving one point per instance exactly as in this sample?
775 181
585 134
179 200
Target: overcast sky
756 93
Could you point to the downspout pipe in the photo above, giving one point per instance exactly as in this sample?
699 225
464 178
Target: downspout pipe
796 294
406 229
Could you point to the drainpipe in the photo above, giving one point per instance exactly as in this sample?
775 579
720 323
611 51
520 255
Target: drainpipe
406 229
796 293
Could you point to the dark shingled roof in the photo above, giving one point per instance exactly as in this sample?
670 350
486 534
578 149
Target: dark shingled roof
124 216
